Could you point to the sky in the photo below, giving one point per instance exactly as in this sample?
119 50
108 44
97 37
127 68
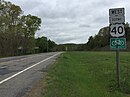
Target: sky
71 21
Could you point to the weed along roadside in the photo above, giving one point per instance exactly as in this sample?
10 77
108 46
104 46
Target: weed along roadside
87 74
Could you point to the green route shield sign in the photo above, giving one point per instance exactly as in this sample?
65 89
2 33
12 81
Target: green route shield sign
118 43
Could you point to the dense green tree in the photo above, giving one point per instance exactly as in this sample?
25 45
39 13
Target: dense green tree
45 45
9 19
102 39
41 43
127 31
16 30
30 24
51 45
90 43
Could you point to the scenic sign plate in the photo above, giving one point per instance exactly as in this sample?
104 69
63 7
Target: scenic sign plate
118 19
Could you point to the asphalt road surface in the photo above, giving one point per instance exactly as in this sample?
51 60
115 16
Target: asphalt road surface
19 74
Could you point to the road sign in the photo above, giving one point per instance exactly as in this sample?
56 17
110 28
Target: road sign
117 19
117 30
116 12
118 43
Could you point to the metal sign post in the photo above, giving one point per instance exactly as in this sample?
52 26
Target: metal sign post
118 67
117 32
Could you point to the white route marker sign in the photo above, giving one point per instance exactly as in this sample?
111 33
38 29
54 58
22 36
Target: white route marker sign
117 30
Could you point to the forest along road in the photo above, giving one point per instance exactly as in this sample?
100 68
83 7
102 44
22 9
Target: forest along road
19 74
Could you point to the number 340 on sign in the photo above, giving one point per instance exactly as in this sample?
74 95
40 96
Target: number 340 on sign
117 30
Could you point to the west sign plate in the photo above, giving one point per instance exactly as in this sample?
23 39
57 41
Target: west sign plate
116 12
118 43
117 30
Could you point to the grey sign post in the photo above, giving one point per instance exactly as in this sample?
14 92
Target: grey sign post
117 32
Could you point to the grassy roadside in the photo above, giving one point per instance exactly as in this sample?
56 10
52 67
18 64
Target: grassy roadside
87 74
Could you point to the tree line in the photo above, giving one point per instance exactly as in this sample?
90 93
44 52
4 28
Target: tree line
102 39
17 31
97 42
44 44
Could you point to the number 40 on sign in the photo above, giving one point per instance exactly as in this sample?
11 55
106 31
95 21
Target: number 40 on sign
117 30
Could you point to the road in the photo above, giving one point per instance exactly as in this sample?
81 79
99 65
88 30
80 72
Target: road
19 74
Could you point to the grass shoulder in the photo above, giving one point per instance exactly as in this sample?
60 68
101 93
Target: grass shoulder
87 74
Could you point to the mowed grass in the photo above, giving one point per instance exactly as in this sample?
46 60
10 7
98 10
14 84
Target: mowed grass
88 74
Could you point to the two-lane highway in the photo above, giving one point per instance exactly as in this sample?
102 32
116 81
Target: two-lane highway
19 74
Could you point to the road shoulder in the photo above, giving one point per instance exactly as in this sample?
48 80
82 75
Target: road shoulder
40 87
37 89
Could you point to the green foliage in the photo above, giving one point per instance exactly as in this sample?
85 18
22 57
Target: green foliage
102 38
16 30
69 47
30 25
127 30
44 44
99 40
51 45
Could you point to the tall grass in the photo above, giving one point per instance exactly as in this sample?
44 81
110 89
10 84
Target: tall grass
88 74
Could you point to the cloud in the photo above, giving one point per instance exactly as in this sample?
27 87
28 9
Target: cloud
74 21
84 25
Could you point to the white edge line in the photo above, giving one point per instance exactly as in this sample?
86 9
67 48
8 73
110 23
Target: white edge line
1 82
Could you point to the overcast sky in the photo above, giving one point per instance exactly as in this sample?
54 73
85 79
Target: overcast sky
71 21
